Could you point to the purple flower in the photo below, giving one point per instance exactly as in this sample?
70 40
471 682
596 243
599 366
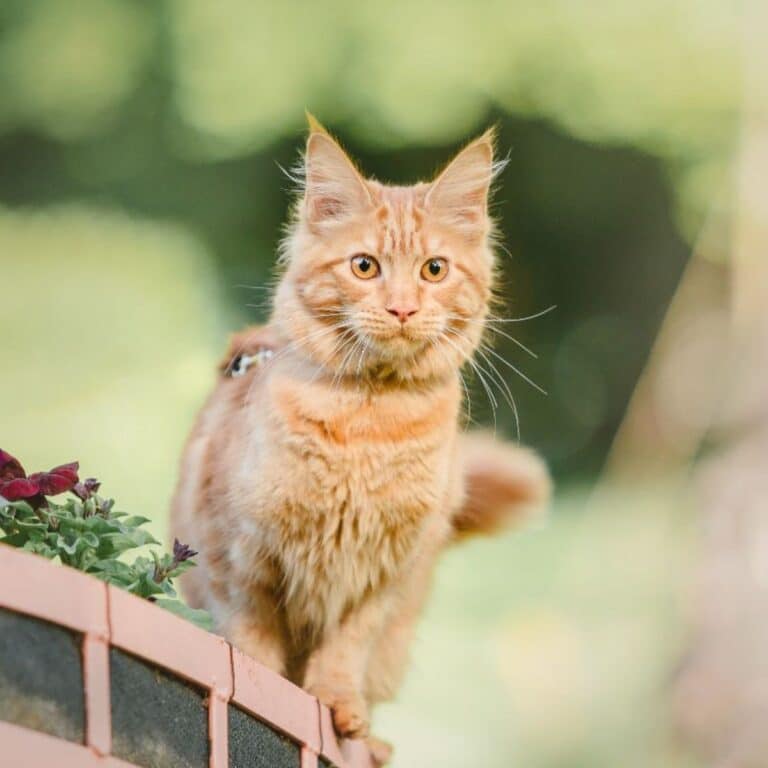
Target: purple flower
86 488
182 552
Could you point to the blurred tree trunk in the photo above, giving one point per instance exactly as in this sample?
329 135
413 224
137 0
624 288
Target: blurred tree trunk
707 382
721 691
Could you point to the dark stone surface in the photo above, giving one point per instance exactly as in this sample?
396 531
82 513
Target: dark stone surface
41 676
253 744
158 720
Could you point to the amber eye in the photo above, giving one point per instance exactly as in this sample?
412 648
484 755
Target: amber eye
434 270
364 266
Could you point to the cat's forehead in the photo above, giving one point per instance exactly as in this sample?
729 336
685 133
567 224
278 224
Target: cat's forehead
400 218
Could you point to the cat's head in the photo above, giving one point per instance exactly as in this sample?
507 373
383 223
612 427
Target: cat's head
384 280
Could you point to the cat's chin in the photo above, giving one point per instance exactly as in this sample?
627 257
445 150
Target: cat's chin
398 345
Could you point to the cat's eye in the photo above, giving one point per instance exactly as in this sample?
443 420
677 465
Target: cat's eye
434 270
364 266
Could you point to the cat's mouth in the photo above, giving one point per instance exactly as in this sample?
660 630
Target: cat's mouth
396 342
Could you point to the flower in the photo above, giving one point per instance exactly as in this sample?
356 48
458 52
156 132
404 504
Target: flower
165 568
86 488
182 552
16 485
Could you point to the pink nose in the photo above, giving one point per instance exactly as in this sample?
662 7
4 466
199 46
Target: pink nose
402 312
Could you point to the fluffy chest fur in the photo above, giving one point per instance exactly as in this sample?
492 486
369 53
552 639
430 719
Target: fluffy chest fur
346 485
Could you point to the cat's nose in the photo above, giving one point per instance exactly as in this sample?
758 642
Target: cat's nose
402 311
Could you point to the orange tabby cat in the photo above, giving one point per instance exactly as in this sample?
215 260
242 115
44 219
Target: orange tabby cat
321 483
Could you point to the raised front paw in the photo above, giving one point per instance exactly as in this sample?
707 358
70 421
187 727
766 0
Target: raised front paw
349 711
381 751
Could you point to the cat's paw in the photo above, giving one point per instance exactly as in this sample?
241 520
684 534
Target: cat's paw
350 717
349 712
381 751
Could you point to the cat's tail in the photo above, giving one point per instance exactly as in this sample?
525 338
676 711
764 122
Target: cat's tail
504 483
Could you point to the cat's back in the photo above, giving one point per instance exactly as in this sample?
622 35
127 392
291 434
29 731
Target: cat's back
220 428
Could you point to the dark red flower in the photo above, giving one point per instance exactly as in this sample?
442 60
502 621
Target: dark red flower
18 488
10 468
16 485
57 480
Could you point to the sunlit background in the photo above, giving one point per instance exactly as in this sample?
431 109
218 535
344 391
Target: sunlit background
141 200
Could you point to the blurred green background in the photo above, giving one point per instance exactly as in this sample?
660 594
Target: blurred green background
141 200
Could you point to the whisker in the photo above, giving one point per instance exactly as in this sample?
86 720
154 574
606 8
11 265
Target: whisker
495 375
265 287
294 345
514 341
479 371
497 378
515 369
439 350
506 390
338 345
492 319
498 331
348 348
363 350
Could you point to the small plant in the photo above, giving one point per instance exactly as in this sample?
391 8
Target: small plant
87 533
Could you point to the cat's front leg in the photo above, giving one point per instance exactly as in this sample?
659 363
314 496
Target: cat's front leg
336 669
258 630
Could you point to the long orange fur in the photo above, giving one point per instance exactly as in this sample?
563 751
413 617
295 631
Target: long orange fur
321 486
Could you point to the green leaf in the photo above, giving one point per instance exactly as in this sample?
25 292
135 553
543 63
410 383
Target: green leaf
113 544
40 548
101 525
134 521
23 508
144 585
68 547
167 587
72 526
202 619
114 572
182 568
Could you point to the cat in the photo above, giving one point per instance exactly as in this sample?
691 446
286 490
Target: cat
329 468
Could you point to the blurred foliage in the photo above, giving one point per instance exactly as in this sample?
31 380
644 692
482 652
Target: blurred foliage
109 328
181 112
141 201
553 647
65 67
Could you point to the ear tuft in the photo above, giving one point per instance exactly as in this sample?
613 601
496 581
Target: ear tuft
460 192
315 126
334 189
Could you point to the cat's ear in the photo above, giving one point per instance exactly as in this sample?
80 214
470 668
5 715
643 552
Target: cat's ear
460 193
334 190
